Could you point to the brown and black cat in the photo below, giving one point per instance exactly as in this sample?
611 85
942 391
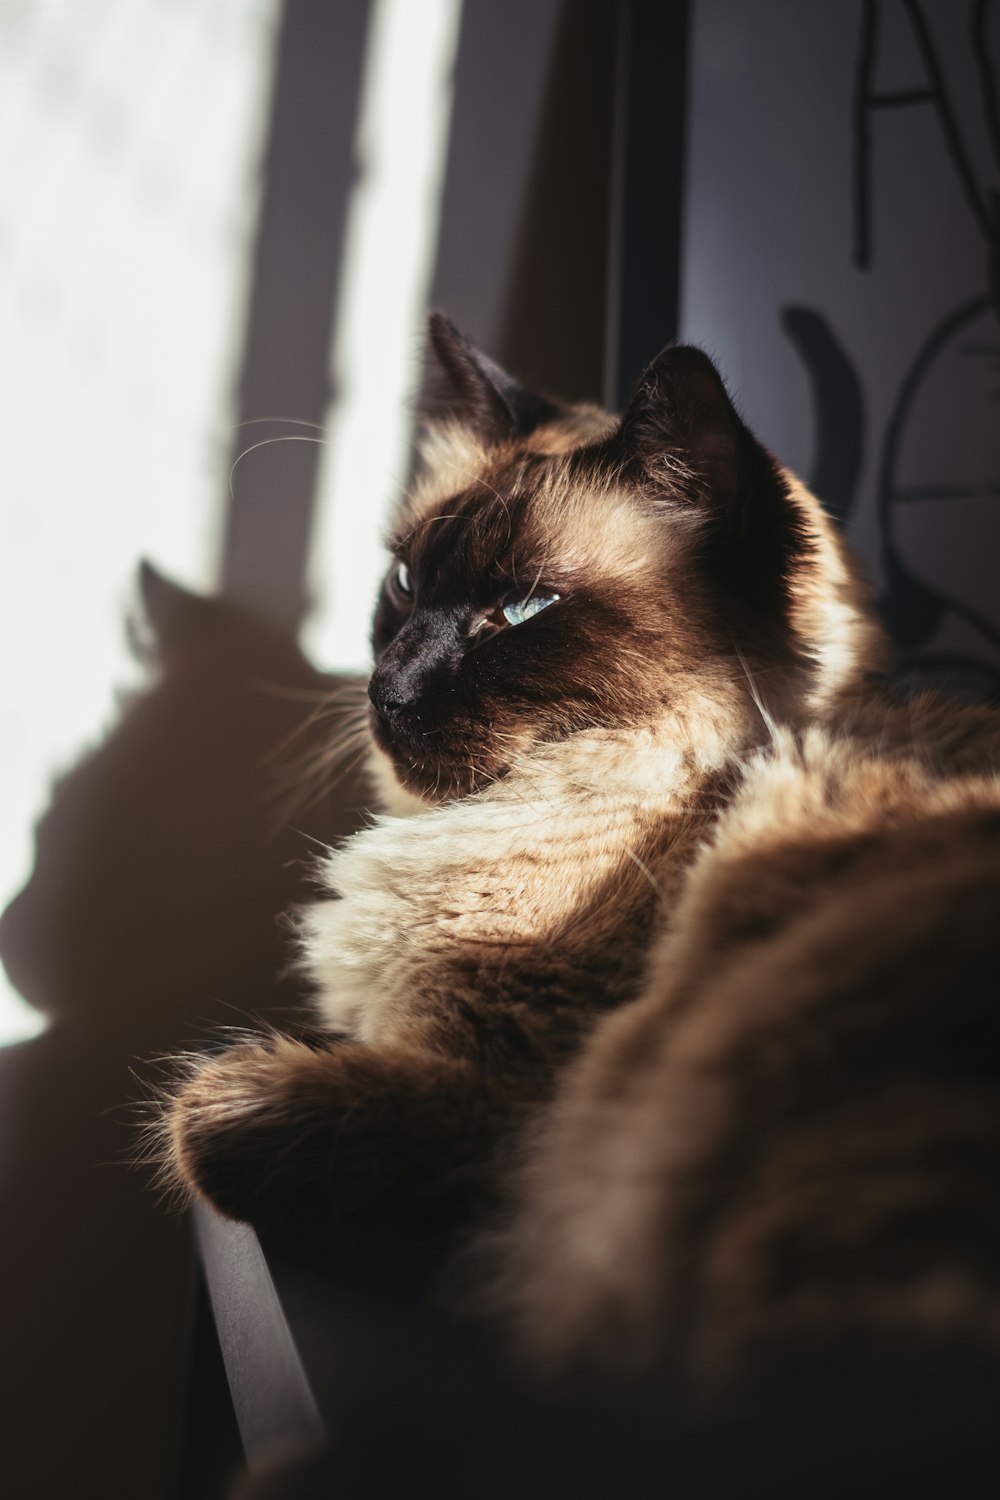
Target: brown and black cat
604 651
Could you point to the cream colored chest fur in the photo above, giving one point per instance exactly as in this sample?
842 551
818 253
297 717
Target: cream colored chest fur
501 872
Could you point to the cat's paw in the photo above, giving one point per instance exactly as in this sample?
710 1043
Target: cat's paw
229 1126
278 1131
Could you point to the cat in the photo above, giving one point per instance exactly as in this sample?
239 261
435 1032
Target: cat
599 650
570 647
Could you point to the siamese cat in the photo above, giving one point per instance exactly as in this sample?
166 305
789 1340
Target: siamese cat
647 815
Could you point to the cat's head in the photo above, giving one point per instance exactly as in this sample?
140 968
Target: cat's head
558 570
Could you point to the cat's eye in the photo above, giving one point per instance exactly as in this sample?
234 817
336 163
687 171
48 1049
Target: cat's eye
516 611
401 578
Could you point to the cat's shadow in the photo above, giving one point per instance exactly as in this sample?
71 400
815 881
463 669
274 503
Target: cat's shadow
152 918
167 857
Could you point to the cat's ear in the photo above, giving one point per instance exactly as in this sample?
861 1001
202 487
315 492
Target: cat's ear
172 616
682 442
465 384
681 433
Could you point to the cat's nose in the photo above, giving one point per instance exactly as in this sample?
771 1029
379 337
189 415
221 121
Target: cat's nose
390 694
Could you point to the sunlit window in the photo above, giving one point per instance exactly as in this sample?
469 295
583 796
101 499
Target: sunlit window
130 137
388 259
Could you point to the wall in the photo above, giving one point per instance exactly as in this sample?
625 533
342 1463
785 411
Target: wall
837 261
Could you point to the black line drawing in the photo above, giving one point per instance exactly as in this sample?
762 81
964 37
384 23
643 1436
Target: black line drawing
915 609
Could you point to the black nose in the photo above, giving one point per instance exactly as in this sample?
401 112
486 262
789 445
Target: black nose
389 694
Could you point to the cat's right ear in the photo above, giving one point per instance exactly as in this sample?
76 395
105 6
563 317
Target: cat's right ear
465 385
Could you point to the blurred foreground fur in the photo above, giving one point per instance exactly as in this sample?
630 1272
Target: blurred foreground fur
673 896
789 1145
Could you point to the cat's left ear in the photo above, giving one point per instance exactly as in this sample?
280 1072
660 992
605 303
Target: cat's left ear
468 386
681 434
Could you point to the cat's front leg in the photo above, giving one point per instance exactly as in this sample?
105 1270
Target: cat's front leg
279 1128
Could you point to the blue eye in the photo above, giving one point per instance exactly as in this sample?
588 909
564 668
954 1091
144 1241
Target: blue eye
518 610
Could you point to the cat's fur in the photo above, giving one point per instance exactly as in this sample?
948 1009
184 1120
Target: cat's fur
553 783
791 1142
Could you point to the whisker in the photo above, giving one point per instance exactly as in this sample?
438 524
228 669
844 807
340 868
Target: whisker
429 521
647 872
304 695
279 421
292 437
765 714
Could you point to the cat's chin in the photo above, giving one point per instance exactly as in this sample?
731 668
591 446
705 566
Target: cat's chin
417 789
392 796
405 785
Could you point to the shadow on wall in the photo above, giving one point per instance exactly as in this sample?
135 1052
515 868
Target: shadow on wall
166 857
153 916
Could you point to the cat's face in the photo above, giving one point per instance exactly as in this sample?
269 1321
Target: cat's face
523 607
559 570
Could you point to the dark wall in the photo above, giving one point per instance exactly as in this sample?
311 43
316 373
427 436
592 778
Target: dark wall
840 261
